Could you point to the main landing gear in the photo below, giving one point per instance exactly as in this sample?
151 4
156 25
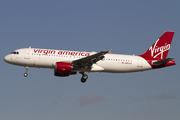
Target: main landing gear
84 77
26 74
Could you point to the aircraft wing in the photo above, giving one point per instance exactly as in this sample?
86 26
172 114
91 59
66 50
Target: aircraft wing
87 62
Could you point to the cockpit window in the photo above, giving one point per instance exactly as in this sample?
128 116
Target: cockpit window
15 53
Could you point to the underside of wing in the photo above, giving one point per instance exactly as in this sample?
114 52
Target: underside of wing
87 62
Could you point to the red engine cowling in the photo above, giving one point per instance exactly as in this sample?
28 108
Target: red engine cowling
63 69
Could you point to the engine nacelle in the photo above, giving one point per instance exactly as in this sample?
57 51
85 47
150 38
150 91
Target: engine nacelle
63 69
61 74
63 66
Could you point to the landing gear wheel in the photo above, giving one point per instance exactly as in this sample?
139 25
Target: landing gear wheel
84 78
25 74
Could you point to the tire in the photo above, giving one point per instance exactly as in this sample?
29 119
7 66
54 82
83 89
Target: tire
83 80
25 74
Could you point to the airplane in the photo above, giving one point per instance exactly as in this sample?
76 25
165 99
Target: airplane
65 62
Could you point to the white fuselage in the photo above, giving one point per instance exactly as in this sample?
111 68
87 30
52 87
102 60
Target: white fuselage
46 58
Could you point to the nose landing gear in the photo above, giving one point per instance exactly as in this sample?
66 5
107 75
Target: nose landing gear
26 74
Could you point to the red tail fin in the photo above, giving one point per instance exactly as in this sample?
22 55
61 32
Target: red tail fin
160 49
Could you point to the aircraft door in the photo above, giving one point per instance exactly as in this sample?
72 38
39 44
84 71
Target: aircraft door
27 53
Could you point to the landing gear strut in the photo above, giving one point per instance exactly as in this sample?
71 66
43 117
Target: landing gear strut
84 77
26 74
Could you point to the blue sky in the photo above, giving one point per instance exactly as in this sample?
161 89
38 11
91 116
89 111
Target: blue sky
127 27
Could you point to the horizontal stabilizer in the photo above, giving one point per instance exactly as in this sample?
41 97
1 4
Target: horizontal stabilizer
161 62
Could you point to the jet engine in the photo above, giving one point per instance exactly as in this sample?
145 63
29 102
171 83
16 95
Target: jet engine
63 69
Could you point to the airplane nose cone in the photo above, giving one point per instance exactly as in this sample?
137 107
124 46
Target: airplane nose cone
7 58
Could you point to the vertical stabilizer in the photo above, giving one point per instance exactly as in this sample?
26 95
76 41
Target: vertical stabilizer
159 50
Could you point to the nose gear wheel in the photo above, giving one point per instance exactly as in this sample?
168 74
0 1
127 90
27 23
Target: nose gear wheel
26 74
